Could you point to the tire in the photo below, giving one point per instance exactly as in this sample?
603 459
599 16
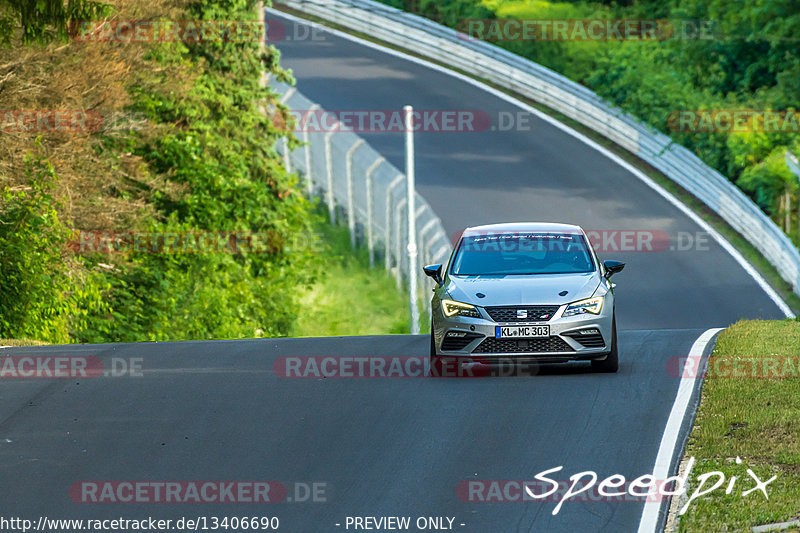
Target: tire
610 364
433 345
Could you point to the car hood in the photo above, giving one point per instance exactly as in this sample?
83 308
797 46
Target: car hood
539 289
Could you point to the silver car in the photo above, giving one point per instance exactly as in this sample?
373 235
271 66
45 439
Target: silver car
527 292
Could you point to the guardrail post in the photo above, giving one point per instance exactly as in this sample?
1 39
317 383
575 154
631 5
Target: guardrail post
351 211
414 265
287 162
387 236
440 253
794 166
425 229
309 173
329 171
788 215
397 223
426 253
370 210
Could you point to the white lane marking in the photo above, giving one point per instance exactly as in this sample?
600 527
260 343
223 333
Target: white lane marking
737 256
649 521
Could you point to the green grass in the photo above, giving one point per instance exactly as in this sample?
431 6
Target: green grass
21 342
350 298
754 418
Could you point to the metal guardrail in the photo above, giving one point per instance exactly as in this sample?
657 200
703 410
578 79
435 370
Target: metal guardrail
347 173
540 84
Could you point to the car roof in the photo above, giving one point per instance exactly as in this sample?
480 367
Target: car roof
511 227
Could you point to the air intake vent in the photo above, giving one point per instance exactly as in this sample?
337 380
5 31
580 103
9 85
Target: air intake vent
458 340
522 313
543 345
590 338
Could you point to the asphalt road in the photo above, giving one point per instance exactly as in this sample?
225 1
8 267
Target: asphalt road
220 411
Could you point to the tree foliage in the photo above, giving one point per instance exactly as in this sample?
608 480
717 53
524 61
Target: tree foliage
208 164
217 146
43 21
39 298
749 60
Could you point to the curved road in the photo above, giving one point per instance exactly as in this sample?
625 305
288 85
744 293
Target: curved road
219 410
536 172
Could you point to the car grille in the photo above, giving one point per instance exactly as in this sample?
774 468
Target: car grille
534 312
545 344
458 343
594 340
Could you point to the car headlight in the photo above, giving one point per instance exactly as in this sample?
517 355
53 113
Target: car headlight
589 305
451 308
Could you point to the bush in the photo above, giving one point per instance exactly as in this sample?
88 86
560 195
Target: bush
204 162
40 296
213 147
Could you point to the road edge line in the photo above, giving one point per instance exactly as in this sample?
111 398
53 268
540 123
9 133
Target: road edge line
669 440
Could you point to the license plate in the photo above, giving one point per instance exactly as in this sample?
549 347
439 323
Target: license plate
521 332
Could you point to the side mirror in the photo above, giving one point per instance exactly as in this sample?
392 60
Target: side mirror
612 267
435 272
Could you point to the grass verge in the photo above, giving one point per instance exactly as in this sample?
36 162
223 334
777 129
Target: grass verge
21 342
750 408
750 253
349 297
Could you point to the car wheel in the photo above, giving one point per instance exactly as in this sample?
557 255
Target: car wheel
611 363
433 345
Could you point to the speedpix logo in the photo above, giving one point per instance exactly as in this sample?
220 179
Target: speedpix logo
588 487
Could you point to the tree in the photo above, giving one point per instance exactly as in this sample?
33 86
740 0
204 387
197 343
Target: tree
43 21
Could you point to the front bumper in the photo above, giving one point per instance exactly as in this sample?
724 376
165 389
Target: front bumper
474 338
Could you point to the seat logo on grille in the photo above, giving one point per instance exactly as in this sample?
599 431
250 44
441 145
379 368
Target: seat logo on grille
522 313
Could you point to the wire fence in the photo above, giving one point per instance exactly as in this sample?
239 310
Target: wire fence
363 190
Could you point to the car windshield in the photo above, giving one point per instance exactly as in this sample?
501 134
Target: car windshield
522 253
